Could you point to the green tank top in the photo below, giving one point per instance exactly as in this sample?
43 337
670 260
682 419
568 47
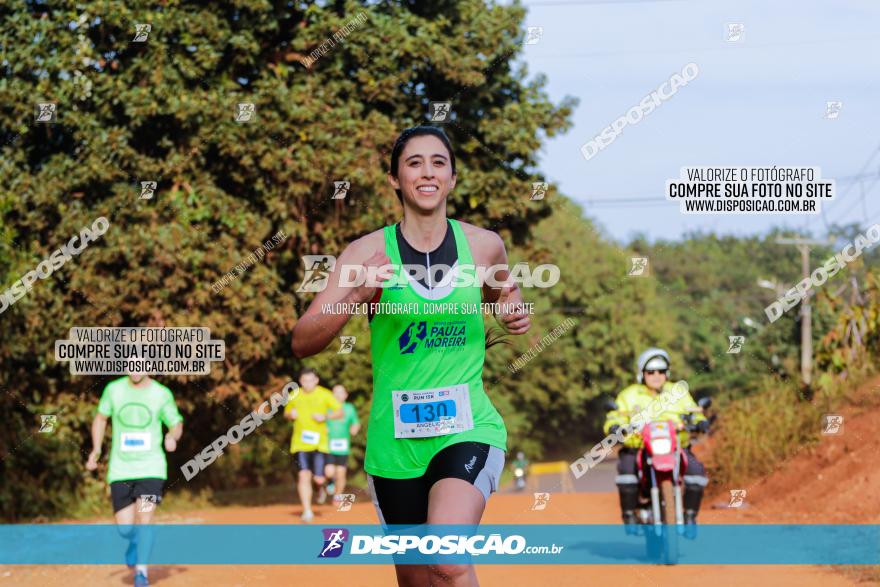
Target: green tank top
425 350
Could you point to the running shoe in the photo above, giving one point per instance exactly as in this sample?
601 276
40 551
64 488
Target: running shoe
322 495
331 488
140 580
307 516
690 524
131 554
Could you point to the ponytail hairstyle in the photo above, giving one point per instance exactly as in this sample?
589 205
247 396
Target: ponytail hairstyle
496 336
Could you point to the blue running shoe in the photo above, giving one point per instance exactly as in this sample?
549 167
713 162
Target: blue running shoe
140 580
131 554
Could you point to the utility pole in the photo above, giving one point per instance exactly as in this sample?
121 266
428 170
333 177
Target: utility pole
803 246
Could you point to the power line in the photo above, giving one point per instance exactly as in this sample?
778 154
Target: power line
847 190
861 200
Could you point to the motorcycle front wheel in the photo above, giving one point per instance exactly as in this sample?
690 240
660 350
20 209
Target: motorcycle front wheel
670 536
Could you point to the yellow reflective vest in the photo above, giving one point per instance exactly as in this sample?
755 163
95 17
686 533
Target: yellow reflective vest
671 403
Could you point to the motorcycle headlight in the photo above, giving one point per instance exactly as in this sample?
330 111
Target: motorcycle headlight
661 446
518 472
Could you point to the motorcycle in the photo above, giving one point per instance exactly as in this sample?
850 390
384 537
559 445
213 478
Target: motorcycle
519 476
661 465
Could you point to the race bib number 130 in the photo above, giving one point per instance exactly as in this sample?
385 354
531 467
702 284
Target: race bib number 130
425 413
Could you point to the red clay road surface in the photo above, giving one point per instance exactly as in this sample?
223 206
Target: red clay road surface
836 482
570 508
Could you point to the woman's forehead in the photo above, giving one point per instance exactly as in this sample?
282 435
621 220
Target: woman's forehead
425 145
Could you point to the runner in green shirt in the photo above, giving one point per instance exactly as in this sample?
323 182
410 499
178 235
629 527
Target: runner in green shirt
435 443
340 432
137 472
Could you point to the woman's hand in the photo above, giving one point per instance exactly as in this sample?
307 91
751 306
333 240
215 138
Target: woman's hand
511 321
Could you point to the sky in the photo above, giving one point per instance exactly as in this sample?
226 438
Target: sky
759 101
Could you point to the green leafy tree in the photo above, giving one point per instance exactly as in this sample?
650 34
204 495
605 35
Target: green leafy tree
166 110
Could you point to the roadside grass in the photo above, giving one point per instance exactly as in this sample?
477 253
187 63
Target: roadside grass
757 433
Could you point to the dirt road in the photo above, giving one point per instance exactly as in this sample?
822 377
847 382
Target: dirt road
834 482
572 508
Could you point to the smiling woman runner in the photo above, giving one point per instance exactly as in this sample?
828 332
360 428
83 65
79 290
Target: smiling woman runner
441 457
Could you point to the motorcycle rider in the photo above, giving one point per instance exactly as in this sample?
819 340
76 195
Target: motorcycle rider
653 383
521 462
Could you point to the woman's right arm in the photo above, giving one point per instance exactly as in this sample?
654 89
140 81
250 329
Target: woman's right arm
315 329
